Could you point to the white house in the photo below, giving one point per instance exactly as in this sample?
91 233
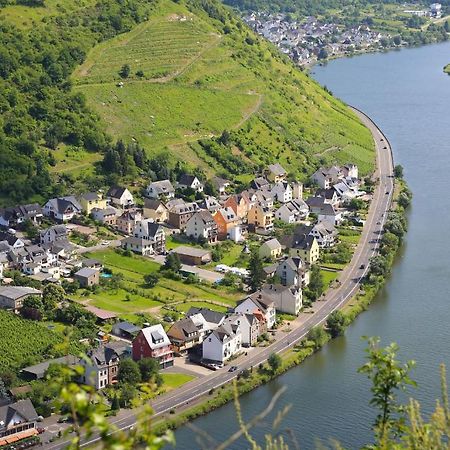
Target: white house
256 303
293 272
120 197
62 208
326 177
54 234
248 325
282 192
160 189
287 299
202 225
101 367
325 234
152 232
190 181
329 215
292 212
222 343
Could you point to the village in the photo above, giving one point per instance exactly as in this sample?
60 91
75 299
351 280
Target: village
312 39
289 243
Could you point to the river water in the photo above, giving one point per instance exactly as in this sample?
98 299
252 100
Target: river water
408 95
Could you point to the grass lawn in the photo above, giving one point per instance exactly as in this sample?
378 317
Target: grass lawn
133 269
175 380
336 266
184 307
350 239
116 301
328 276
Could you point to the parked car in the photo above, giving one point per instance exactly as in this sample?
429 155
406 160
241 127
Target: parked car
232 369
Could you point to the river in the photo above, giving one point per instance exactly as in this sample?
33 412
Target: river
408 95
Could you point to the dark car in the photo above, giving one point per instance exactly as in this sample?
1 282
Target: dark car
387 192
362 266
232 369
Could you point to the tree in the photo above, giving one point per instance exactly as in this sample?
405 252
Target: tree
316 285
388 377
151 279
274 361
323 54
398 171
317 335
129 372
256 269
378 266
336 323
172 262
125 70
52 294
397 40
115 405
32 308
148 367
3 391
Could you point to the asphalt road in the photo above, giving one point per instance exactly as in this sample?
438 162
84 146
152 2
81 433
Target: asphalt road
349 284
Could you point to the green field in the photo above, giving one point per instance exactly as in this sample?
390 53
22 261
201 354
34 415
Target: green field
328 277
141 298
175 380
24 342
198 81
184 307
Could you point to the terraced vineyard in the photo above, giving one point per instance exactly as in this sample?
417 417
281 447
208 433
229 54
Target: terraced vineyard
160 48
202 76
23 342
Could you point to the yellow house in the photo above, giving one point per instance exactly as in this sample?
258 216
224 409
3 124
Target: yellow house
92 200
306 247
270 249
260 217
276 173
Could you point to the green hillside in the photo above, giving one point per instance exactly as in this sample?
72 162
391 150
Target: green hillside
194 71
198 77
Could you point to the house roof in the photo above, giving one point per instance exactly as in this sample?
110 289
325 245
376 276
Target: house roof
208 314
186 326
23 408
191 251
89 262
277 169
205 216
101 314
327 210
228 214
259 182
153 203
102 355
38 370
162 187
155 336
116 191
127 327
219 182
273 244
86 272
315 202
22 211
16 292
186 179
90 196
61 204
183 208
325 193
8 237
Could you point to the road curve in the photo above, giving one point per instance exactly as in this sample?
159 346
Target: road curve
350 280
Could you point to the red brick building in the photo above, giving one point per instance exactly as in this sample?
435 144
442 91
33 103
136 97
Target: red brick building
152 342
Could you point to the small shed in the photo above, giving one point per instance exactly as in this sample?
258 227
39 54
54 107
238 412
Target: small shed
125 330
